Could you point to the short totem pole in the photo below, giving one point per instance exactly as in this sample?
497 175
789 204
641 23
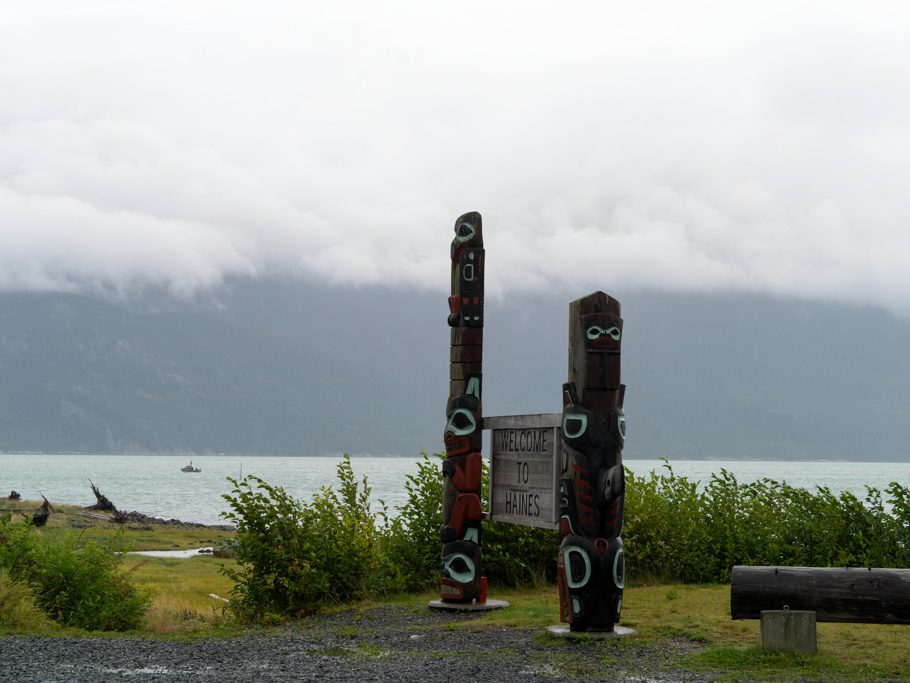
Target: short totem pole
591 564
460 533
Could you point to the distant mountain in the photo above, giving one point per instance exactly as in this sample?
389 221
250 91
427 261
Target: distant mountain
273 367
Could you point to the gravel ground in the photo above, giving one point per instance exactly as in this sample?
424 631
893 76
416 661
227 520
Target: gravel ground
382 644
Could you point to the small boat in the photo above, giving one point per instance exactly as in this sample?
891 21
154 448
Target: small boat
190 468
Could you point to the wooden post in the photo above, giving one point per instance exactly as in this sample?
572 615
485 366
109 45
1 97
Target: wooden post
591 562
461 581
872 596
786 629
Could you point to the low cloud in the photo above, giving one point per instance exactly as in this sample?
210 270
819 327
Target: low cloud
711 147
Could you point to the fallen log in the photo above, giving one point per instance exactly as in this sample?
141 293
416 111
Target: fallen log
853 594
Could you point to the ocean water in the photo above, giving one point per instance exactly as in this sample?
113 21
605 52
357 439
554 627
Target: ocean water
154 484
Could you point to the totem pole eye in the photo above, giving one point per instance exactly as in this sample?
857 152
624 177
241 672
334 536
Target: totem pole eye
596 332
574 425
621 426
464 232
461 422
578 566
619 569
459 567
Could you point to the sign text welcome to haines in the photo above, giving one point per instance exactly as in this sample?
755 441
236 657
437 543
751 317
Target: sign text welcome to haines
525 469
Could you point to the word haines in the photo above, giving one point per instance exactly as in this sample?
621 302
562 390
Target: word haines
522 503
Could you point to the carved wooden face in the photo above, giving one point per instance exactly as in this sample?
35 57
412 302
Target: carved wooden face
602 333
461 435
468 233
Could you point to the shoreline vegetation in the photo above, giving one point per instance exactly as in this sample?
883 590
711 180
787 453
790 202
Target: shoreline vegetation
333 554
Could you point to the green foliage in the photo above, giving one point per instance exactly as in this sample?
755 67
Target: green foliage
413 535
675 529
293 557
75 586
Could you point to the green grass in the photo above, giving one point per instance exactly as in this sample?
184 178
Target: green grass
79 524
18 612
181 590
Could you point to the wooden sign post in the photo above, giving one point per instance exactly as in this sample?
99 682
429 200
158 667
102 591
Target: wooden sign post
591 562
524 469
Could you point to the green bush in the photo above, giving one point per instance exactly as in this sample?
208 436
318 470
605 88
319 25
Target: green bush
676 530
82 587
413 544
293 557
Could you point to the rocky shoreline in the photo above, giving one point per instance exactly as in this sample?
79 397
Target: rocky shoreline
139 518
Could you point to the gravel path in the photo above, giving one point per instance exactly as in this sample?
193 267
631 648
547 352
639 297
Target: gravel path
382 644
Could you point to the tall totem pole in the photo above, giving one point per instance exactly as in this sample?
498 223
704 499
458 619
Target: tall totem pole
460 533
591 563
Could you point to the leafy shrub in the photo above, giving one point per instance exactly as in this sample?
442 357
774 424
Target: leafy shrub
676 530
81 587
294 556
413 541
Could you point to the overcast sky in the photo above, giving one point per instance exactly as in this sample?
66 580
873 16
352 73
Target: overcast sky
683 146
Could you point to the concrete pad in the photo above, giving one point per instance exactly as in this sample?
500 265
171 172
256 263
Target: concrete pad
562 631
467 606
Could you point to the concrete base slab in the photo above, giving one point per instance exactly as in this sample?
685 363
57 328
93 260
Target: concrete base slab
467 606
562 631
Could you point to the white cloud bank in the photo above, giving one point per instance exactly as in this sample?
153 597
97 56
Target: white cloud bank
687 146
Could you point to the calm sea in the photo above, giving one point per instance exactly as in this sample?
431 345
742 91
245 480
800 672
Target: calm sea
154 485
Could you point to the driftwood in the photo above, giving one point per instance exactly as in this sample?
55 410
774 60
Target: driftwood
103 502
14 495
42 513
